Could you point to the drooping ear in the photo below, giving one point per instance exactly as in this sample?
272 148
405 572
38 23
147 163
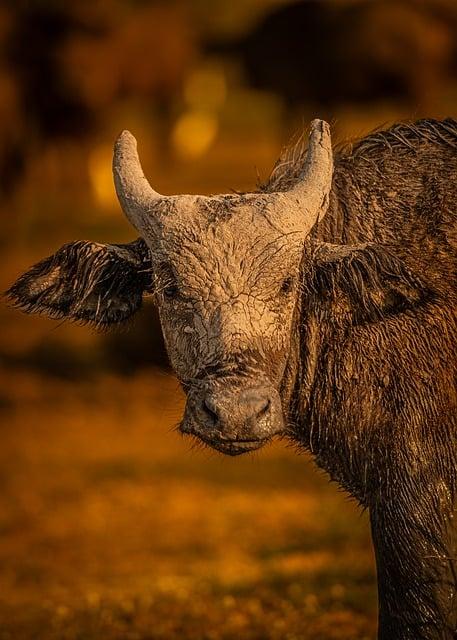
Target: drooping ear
101 284
362 283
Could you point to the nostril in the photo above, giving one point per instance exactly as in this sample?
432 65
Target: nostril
265 408
210 411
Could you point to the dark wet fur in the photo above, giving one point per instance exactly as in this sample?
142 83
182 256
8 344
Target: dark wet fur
288 169
364 284
375 395
86 282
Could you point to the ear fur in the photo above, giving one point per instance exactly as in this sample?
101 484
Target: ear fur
363 283
100 284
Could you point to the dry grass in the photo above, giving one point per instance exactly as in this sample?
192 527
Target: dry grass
112 528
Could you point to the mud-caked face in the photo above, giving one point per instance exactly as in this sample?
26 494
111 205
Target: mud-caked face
226 283
226 279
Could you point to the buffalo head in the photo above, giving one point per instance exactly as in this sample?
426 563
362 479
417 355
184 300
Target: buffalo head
225 279
225 275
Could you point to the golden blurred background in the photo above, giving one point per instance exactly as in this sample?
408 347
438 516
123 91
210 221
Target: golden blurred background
111 526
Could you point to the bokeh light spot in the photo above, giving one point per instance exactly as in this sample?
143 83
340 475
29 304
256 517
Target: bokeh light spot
193 133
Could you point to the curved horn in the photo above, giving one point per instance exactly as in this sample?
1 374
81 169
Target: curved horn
318 170
133 190
311 191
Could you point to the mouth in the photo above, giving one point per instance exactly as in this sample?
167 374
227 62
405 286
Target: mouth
233 447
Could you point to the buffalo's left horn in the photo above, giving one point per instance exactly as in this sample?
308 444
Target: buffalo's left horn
135 194
310 195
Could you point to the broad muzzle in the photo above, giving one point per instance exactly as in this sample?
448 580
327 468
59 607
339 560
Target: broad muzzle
233 416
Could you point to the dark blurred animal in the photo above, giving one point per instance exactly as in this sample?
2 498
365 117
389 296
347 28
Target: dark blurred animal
322 309
368 52
69 44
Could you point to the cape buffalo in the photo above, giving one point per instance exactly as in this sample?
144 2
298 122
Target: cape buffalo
321 307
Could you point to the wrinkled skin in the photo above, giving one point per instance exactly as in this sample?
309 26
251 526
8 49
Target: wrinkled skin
226 303
343 339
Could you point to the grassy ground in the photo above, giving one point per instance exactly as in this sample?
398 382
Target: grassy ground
112 527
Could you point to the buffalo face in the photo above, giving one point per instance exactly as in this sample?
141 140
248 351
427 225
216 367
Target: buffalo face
226 301
225 273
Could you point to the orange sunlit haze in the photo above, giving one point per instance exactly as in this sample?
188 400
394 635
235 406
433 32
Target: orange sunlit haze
112 525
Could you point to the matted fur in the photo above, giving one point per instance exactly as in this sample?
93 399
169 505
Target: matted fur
87 282
362 284
288 169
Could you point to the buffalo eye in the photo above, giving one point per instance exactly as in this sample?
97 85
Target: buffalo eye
171 290
287 285
167 281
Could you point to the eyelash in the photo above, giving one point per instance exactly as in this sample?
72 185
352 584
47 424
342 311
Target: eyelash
287 284
171 291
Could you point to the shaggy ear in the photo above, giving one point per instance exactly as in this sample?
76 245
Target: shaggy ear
102 284
363 283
